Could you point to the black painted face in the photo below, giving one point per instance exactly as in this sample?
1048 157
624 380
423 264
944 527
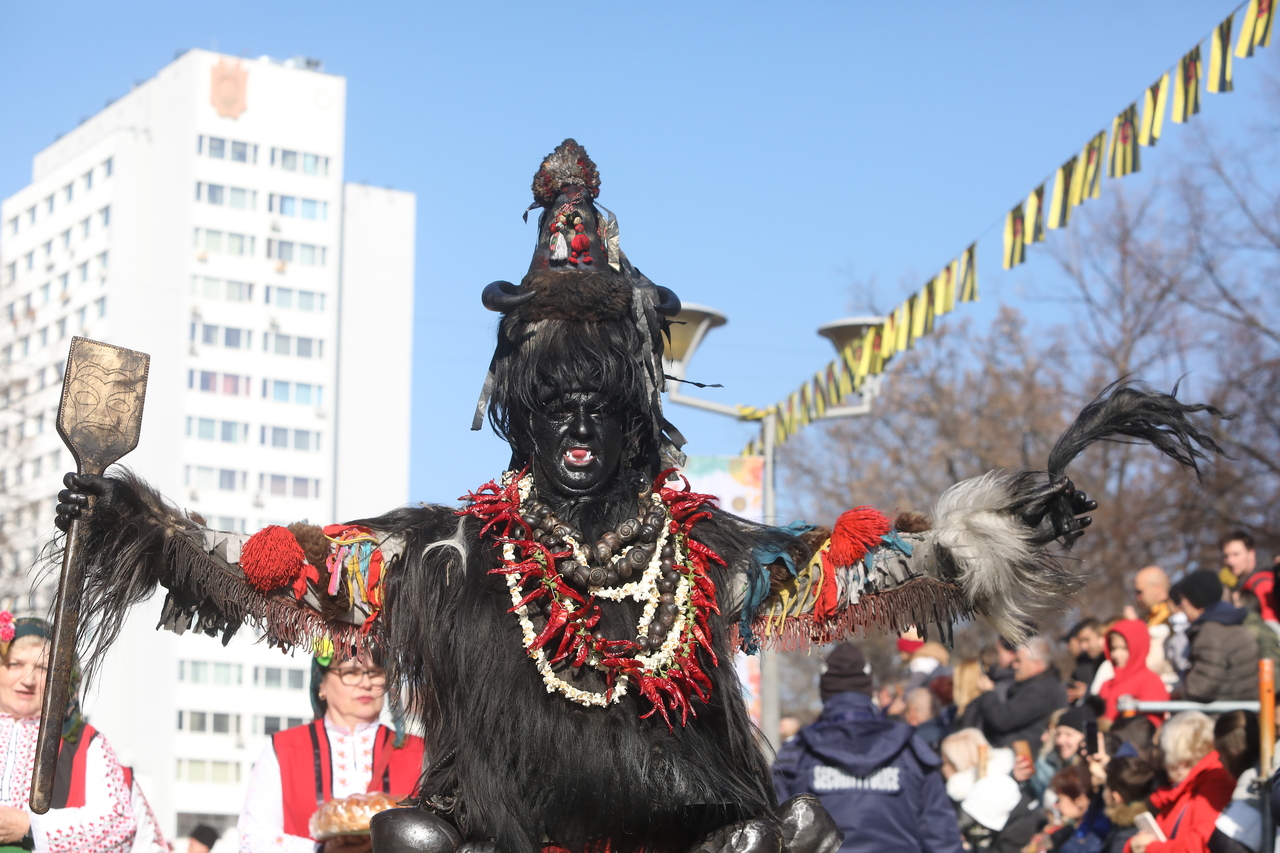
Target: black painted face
578 442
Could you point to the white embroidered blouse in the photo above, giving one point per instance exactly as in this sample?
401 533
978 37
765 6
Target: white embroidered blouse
104 824
262 820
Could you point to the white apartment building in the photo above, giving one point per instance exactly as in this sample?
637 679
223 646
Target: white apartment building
203 218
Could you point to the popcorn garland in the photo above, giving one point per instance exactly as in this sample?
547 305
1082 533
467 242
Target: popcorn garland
667 676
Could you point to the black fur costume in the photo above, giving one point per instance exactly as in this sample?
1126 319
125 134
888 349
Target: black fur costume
511 762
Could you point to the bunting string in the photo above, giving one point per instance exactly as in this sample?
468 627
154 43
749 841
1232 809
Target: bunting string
1176 93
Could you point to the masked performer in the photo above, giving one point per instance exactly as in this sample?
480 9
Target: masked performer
567 634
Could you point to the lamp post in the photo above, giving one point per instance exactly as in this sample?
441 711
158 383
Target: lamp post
688 329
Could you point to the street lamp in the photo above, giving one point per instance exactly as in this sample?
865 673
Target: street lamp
688 328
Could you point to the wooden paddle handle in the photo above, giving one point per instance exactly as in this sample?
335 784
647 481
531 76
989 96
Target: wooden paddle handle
57 684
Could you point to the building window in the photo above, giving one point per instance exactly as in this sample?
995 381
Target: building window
69 191
88 180
31 215
105 216
84 271
217 147
106 167
296 679
280 391
214 193
239 152
279 484
197 721
48 204
279 437
282 344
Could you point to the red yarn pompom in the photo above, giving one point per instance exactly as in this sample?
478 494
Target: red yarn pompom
272 559
580 242
857 532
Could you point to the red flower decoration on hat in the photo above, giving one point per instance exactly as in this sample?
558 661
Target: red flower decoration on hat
6 627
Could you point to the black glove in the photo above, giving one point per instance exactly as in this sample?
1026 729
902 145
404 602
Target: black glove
74 499
1055 511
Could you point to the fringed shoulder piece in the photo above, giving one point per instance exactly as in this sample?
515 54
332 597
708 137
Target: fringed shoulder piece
298 584
866 575
978 558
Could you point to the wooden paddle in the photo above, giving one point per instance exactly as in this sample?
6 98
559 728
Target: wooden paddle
99 419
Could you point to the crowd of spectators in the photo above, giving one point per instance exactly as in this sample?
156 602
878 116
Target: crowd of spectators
1040 747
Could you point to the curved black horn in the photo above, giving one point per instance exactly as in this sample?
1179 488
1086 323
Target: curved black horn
668 302
503 296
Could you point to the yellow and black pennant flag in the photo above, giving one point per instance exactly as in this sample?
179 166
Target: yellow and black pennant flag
1219 79
1123 156
1060 209
1153 109
969 274
1015 250
1086 182
1256 31
1033 217
1186 86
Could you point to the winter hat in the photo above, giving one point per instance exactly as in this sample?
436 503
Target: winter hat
1078 717
991 800
205 834
846 670
1202 588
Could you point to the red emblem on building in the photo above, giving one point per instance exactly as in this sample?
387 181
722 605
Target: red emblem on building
227 90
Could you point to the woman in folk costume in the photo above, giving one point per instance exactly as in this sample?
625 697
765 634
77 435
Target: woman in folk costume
567 634
344 751
92 797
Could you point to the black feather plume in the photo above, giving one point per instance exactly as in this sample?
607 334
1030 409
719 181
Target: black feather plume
1130 413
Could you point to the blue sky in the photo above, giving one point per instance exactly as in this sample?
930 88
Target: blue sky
758 155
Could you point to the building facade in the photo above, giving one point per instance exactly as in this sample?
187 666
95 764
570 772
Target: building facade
203 219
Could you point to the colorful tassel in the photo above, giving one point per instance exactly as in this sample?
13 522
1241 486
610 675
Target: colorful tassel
857 532
271 559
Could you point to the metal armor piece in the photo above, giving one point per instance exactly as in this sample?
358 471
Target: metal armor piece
807 827
412 831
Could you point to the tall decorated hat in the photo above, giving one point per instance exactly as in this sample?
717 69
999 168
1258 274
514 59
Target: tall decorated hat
583 316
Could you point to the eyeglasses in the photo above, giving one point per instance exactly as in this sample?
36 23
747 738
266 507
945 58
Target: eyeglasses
354 675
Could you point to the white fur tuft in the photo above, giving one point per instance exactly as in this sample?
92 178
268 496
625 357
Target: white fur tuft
1006 576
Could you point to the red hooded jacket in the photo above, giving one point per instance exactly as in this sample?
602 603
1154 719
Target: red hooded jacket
1187 814
1133 679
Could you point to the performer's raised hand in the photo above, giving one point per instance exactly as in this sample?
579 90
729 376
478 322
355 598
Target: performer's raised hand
74 499
1035 511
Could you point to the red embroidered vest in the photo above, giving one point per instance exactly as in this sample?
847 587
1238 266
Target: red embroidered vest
306 770
68 778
